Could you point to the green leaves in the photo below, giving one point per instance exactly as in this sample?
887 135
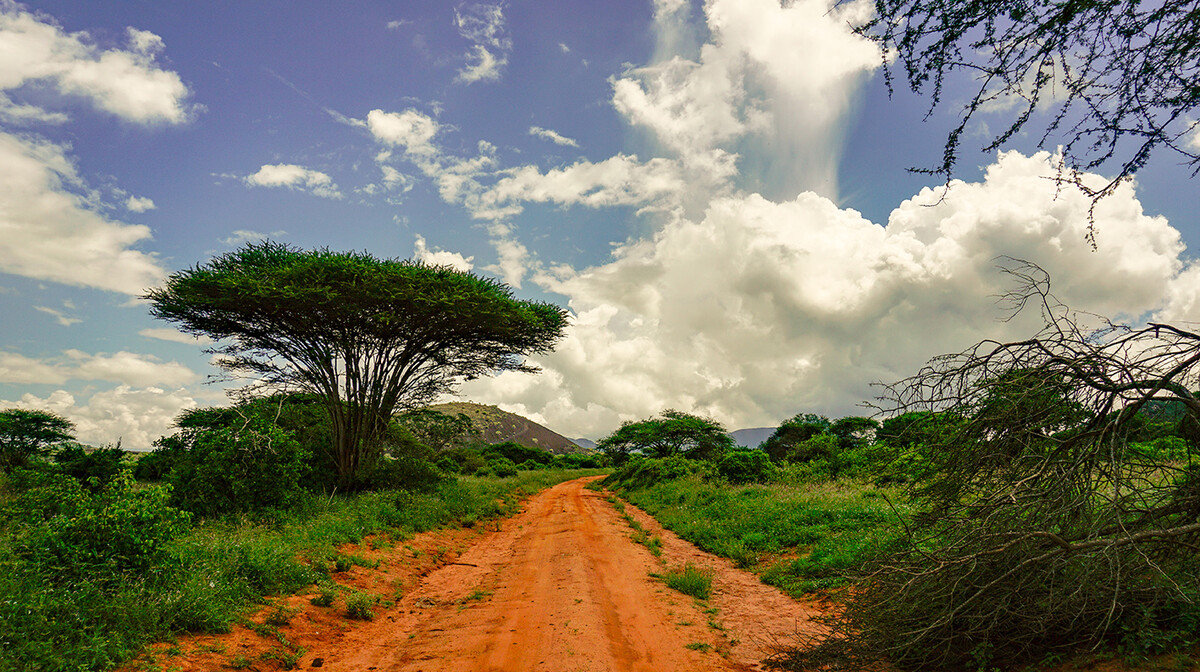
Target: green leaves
675 433
25 433
368 335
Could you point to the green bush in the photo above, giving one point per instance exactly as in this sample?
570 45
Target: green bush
518 453
93 469
641 472
403 473
501 467
468 461
250 467
122 528
746 466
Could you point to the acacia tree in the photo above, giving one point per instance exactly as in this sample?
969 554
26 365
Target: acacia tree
1117 79
25 434
1041 525
368 336
675 433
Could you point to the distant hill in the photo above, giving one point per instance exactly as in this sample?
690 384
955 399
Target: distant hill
585 443
750 438
498 426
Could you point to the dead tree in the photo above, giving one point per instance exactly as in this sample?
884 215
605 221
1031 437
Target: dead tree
1041 527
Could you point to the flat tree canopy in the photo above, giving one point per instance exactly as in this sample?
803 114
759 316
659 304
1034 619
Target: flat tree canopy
369 336
675 433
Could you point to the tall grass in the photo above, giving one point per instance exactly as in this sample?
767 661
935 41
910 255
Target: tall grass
207 578
799 537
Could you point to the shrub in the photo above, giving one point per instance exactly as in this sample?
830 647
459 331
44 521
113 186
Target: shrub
361 606
227 469
403 473
93 469
518 453
121 528
746 466
645 472
468 460
501 467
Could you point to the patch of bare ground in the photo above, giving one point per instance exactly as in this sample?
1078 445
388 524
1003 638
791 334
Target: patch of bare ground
559 587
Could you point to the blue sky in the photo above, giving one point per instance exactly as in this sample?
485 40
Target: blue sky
716 190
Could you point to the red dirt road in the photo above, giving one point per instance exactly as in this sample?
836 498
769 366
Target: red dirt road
559 587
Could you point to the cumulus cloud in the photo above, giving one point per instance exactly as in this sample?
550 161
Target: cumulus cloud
761 309
51 227
439 257
139 204
124 367
136 417
552 136
123 82
51 233
483 24
295 177
771 82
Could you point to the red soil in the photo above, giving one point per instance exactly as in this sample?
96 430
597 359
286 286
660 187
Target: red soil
558 587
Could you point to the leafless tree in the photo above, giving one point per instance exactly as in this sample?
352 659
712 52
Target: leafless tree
1041 526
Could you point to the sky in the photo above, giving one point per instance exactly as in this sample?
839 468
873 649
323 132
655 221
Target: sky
717 192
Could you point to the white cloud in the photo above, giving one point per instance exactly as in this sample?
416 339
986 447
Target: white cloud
126 83
295 177
552 136
129 368
439 257
49 233
410 130
137 417
482 24
564 48
773 81
17 368
51 228
60 316
485 68
620 180
121 367
761 309
244 236
139 204
398 24
174 336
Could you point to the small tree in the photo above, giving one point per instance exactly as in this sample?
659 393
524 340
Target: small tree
25 434
675 433
794 431
368 336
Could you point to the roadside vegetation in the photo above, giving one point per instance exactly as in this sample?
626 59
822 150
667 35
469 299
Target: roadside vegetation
101 553
1022 503
96 563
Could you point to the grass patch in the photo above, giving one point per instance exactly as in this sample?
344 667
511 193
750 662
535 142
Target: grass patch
801 538
689 580
699 646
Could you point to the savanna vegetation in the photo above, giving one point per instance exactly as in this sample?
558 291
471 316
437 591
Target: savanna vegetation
103 551
1020 502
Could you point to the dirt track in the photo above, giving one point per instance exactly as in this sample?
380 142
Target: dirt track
558 587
